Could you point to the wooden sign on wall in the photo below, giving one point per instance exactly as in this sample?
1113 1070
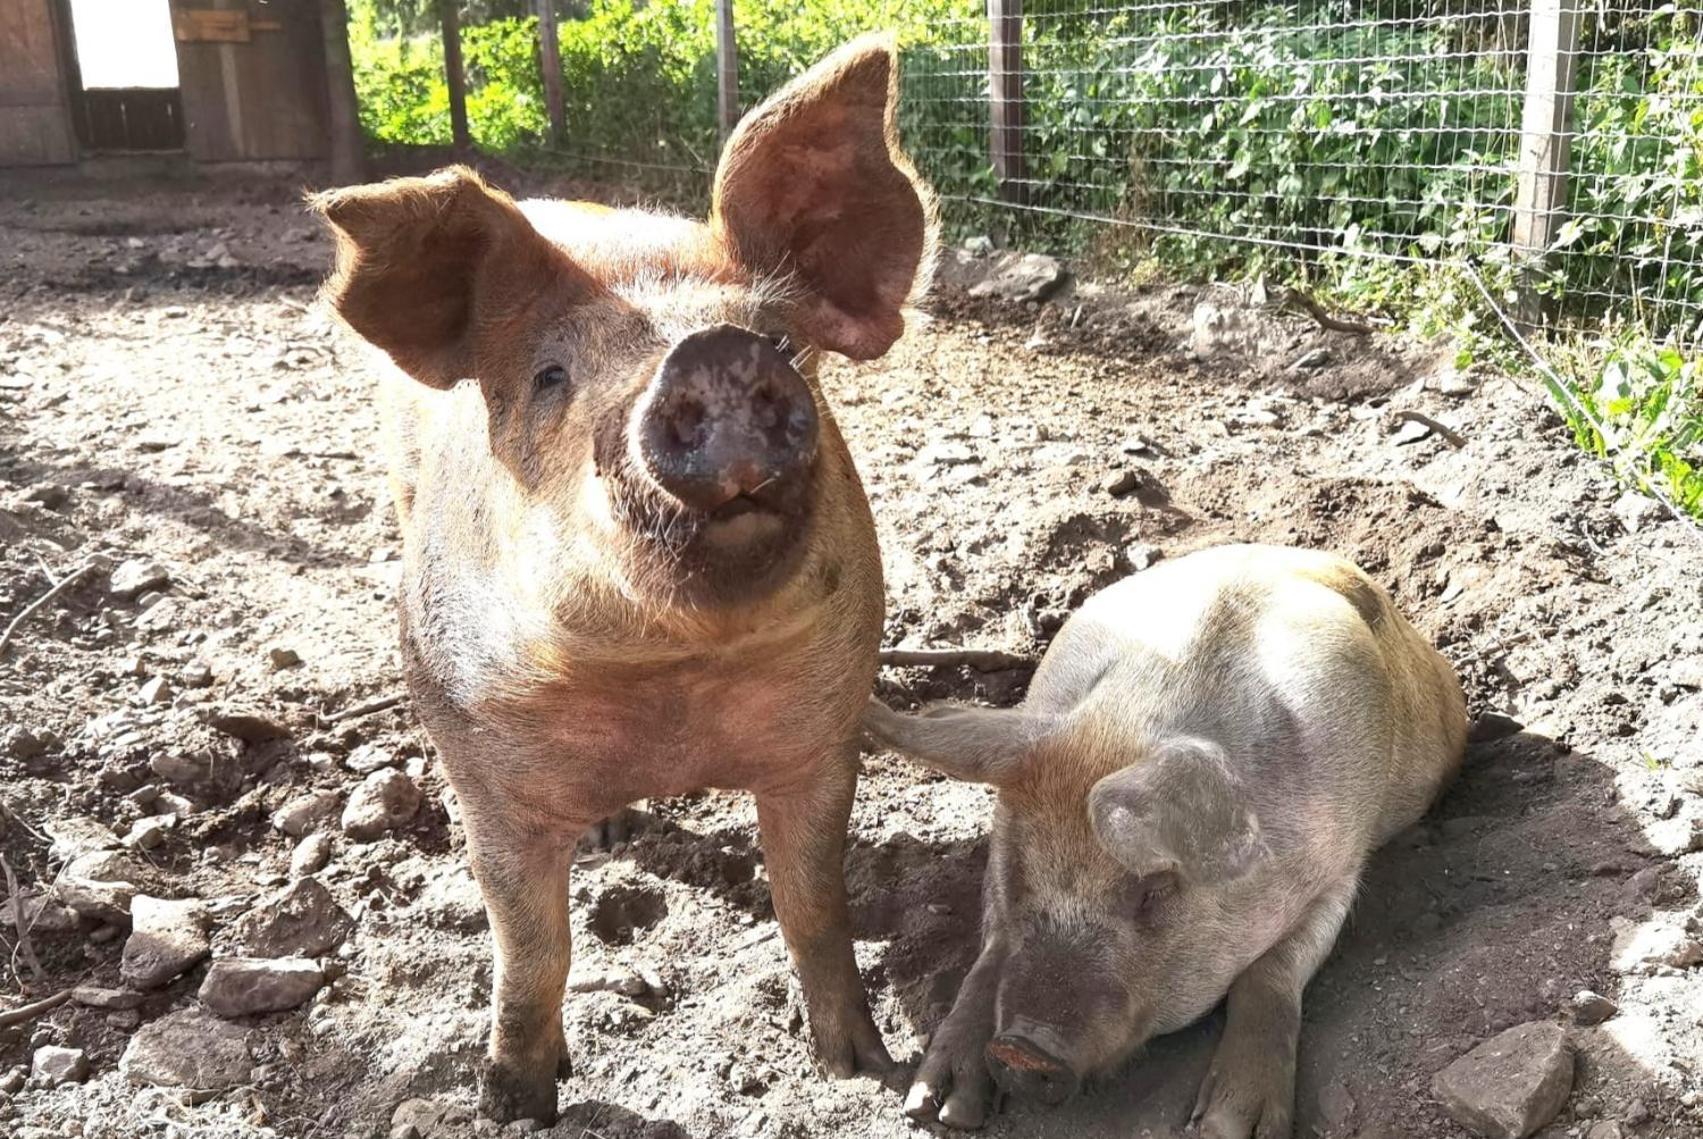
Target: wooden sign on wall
210 25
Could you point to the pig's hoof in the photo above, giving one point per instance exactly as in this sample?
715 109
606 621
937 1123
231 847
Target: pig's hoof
860 1050
965 1107
506 1094
1232 1107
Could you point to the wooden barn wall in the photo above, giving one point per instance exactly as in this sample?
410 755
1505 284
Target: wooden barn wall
35 116
253 79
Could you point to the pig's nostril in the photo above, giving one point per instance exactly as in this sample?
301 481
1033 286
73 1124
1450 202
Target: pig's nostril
688 422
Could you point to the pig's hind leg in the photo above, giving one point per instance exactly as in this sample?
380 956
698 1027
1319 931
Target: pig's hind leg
953 1083
804 836
1249 1092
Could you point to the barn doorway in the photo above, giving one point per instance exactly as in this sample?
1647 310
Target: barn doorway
124 75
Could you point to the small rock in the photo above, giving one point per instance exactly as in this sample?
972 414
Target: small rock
384 800
13 1081
1021 277
1592 1008
311 855
196 675
426 1119
1636 511
93 996
614 980
1510 1085
248 986
38 912
282 658
1143 556
155 691
1315 358
246 725
149 833
76 835
98 885
166 938
368 758
182 770
1410 431
135 577
55 1065
979 245
306 813
191 1050
1336 1105
47 494
301 920
1607 1129
1121 482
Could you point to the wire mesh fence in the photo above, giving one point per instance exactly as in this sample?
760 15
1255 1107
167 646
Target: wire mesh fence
1558 146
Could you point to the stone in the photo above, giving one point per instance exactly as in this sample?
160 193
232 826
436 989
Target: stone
1592 1008
183 770
93 996
149 833
1143 556
167 937
1121 482
248 986
1643 947
76 835
1510 1085
1410 431
301 920
311 855
384 800
617 979
155 691
97 885
368 758
281 658
425 1119
40 913
247 725
1021 277
306 813
54 1065
1636 511
1607 1129
1310 359
132 578
189 1050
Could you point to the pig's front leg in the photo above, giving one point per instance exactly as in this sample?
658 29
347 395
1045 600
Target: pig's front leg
953 1083
804 833
524 878
1250 1089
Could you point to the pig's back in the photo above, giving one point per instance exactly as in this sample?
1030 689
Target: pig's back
1293 659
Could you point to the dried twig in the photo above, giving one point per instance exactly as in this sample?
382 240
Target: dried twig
24 1013
382 704
1455 438
982 660
64 583
1325 320
25 945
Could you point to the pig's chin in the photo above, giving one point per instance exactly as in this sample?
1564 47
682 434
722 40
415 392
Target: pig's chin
733 556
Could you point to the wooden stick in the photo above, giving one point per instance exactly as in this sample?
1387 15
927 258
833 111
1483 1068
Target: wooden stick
382 704
29 1012
1455 438
982 660
25 945
1325 320
64 584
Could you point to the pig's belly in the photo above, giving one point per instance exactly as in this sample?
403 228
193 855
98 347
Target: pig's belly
675 735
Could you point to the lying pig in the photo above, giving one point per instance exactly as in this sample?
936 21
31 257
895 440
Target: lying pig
1205 759
638 557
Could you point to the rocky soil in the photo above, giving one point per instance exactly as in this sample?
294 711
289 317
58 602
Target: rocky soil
235 901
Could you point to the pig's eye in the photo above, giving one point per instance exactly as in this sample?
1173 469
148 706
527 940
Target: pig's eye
1151 896
552 377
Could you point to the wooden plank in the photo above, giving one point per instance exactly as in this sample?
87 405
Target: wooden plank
550 63
35 120
1540 201
262 100
210 25
1005 97
727 69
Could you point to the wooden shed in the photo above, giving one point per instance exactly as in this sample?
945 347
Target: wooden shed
205 81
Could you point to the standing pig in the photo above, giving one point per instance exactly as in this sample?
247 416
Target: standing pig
1205 759
639 560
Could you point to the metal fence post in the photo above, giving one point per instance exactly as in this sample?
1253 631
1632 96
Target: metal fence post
727 69
550 61
1545 140
1005 96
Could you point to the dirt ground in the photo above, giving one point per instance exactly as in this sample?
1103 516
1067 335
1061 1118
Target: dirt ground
170 394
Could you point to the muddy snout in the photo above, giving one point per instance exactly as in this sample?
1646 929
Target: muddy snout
1025 1061
727 424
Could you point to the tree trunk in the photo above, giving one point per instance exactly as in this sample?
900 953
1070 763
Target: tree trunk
348 152
450 11
550 59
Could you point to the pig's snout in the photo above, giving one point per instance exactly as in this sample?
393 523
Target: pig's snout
1025 1062
725 420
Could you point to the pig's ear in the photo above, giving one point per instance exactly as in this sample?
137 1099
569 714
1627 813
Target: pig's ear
1180 809
411 261
813 188
977 745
